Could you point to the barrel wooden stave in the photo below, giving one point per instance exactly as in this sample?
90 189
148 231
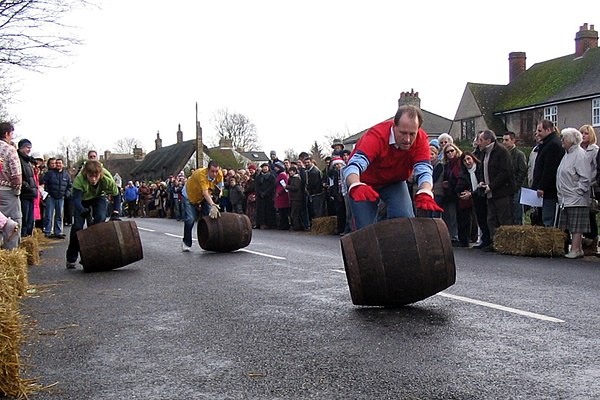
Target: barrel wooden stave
229 232
109 245
398 261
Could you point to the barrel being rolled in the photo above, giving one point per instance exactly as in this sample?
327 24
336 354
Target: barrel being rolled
229 232
398 261
109 245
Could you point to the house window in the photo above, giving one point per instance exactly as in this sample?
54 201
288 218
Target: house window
467 129
596 112
551 113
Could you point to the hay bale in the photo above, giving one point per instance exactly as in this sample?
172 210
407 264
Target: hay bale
11 287
153 214
528 240
14 270
32 248
324 226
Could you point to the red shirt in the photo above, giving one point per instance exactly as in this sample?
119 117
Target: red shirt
388 164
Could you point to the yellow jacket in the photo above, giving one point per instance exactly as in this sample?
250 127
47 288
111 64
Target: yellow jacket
198 182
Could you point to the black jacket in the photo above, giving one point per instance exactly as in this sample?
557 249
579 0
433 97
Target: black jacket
29 190
550 153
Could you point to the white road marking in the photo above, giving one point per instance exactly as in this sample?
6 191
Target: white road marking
146 229
341 271
263 254
175 236
499 307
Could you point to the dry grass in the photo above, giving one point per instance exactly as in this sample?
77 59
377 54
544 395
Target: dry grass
324 226
13 284
528 240
32 249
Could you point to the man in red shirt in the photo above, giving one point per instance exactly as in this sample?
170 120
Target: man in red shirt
383 159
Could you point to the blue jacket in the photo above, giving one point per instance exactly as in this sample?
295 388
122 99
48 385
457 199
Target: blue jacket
131 193
57 184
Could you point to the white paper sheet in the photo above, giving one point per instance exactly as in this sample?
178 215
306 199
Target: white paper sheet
529 197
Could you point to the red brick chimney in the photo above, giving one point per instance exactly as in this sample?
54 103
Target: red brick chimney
585 39
516 64
409 98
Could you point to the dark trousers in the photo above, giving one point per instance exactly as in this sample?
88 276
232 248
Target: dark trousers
284 218
499 213
296 215
27 212
464 220
480 204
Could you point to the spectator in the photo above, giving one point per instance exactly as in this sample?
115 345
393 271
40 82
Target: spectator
573 190
145 193
236 196
467 189
57 182
335 194
265 190
588 143
29 189
520 169
499 183
452 167
131 198
337 147
10 184
314 188
550 153
250 193
480 200
282 198
294 188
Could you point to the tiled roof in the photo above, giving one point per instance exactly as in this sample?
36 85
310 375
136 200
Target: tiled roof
561 79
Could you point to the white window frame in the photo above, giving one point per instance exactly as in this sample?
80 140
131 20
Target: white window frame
596 112
551 113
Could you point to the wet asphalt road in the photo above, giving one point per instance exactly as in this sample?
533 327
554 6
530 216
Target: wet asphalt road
276 322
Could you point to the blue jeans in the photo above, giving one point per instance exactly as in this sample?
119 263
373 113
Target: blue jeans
54 210
98 207
191 215
395 196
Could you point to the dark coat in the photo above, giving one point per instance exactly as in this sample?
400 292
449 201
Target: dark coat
314 183
29 190
294 188
500 171
265 185
57 184
550 152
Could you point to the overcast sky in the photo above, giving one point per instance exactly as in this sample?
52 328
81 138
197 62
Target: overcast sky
298 70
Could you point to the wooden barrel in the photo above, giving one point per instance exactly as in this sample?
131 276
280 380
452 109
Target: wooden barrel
229 232
109 245
398 261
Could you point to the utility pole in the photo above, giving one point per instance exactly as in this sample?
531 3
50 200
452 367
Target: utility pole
199 144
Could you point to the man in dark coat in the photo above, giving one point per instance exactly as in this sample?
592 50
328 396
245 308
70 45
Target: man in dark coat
499 182
29 190
58 184
550 152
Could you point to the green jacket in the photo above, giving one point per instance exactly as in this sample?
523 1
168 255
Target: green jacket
106 186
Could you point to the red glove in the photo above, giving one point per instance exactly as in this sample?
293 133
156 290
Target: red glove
362 192
424 201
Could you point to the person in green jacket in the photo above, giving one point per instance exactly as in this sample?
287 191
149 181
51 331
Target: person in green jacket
91 189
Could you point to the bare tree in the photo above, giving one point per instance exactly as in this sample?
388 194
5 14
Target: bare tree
126 145
74 151
290 154
236 127
31 31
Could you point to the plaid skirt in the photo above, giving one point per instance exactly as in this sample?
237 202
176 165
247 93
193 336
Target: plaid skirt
574 219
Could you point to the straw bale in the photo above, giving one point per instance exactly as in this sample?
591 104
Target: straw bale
528 240
324 226
153 214
32 248
14 271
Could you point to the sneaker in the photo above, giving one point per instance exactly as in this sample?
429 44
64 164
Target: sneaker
185 248
70 265
574 254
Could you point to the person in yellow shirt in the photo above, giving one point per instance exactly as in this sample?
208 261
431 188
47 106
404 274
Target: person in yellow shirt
198 191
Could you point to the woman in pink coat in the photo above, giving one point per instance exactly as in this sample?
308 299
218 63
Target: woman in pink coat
282 197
